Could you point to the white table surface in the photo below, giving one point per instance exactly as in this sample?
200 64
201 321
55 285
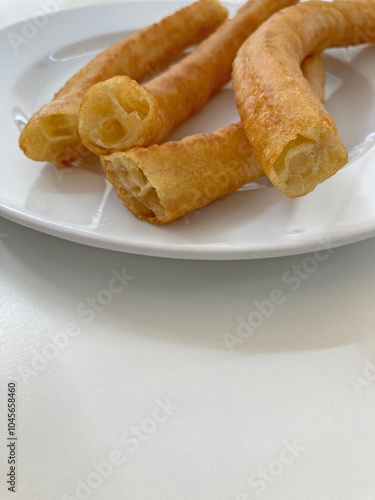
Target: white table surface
305 379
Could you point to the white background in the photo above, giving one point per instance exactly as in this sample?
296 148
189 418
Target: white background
306 375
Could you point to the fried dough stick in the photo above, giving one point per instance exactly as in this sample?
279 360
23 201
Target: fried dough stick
294 138
161 183
52 133
119 114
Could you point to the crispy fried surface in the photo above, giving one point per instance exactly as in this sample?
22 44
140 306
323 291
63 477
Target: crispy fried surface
52 133
294 137
161 183
173 96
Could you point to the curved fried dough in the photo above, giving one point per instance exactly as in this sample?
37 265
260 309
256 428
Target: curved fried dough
294 137
161 183
52 133
119 114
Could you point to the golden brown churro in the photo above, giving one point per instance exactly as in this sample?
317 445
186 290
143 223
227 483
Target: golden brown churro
294 137
161 183
119 114
52 133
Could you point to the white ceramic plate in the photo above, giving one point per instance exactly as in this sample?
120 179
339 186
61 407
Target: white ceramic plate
257 221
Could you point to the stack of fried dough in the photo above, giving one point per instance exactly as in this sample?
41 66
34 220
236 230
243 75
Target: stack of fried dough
271 49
